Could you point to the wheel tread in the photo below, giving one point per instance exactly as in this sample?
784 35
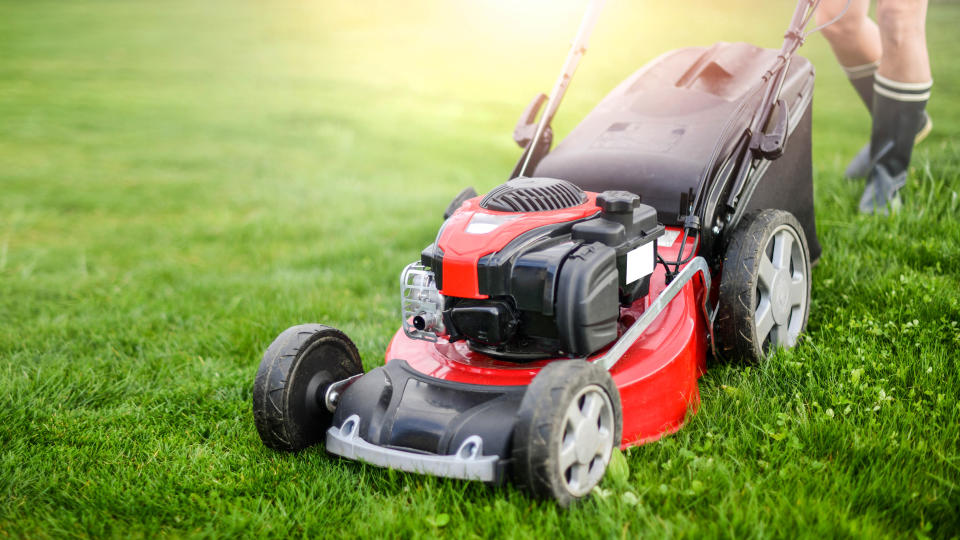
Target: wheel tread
533 455
734 327
271 396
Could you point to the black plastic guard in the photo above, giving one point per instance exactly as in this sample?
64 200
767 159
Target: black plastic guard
788 183
404 409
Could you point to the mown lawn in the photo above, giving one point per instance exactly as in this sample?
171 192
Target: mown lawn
180 181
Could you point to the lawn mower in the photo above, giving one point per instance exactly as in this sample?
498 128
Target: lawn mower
571 310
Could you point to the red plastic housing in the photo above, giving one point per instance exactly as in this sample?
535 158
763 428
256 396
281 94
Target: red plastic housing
463 247
657 377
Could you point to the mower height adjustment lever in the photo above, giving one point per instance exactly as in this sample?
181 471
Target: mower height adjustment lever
526 126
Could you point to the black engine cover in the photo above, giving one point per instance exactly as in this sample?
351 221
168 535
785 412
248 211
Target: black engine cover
556 290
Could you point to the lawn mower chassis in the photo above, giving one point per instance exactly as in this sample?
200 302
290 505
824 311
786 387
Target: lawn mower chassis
431 408
440 390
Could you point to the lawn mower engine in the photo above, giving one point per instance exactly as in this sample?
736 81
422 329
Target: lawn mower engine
536 269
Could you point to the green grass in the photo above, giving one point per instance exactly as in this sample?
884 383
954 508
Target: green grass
180 181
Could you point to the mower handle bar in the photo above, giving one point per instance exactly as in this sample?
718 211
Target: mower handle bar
792 41
771 103
577 50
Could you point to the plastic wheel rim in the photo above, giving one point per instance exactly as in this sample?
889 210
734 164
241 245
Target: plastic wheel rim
781 290
587 440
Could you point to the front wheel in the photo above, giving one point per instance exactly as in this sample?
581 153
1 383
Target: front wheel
291 384
568 423
764 298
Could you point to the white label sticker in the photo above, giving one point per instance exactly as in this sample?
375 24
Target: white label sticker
668 238
640 262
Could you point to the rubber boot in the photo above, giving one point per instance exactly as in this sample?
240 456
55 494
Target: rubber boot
859 166
898 115
861 77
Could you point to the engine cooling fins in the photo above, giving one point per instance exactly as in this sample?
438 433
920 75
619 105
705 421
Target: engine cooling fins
533 195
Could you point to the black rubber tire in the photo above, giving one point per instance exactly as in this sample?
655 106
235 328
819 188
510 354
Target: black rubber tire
539 429
735 327
465 194
292 381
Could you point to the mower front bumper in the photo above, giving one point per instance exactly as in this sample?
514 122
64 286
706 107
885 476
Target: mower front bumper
468 463
397 417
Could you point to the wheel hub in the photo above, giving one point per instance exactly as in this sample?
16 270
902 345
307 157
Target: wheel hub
782 289
586 439
780 296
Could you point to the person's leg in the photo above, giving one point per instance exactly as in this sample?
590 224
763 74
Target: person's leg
857 44
855 40
904 40
901 90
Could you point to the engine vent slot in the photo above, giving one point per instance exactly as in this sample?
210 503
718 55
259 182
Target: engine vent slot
533 195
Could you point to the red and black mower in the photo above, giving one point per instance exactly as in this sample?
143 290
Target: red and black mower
572 309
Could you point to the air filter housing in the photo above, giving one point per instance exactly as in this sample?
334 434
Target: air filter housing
533 195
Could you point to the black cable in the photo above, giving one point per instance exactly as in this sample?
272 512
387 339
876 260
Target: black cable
693 252
691 223
681 260
663 262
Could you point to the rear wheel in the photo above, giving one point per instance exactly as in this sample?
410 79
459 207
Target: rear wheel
291 384
764 287
568 424
464 195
